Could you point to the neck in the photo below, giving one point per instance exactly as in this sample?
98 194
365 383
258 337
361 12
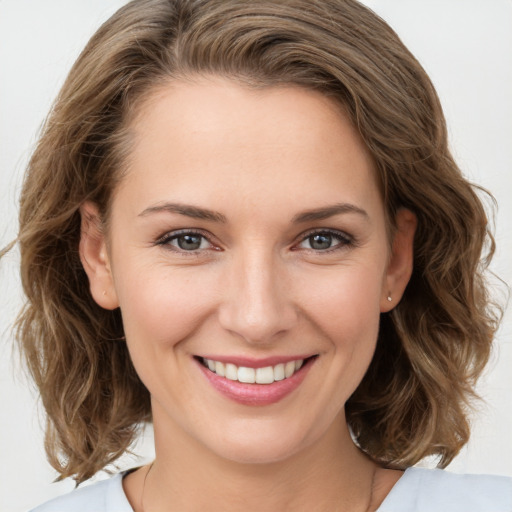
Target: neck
330 474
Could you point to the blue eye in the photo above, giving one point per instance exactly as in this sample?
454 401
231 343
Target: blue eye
320 242
187 241
324 240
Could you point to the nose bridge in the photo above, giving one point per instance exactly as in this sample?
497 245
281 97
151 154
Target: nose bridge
257 304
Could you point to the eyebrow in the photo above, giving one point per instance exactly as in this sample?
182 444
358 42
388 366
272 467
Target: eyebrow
204 214
328 211
185 209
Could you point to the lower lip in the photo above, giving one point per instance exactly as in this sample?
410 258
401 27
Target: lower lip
256 394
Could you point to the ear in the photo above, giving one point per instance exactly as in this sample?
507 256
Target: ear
400 264
95 259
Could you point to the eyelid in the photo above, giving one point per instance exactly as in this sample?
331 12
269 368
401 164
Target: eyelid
345 239
172 235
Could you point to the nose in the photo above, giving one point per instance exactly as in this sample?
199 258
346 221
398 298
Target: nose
257 303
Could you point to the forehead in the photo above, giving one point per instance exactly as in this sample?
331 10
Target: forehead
215 139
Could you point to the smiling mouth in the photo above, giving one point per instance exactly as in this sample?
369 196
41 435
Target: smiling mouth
247 375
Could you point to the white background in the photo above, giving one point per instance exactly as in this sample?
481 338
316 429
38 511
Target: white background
466 47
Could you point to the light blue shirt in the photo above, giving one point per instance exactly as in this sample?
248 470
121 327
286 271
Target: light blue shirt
418 490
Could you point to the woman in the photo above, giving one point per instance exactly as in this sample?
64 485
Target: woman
252 233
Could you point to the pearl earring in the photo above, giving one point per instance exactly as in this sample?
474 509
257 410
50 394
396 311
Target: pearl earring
389 298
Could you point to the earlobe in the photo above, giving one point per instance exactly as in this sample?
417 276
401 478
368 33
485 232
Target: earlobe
95 259
401 261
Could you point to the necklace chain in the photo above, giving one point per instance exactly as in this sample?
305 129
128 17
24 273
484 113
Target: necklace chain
144 487
372 485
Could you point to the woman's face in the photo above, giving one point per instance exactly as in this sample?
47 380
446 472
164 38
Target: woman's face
248 238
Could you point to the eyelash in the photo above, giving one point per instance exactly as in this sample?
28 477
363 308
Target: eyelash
344 241
174 235
343 238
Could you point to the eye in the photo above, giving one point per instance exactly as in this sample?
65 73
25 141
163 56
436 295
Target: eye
325 241
187 241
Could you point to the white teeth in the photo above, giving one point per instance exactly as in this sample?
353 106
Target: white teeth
247 375
231 372
279 371
289 369
266 375
219 369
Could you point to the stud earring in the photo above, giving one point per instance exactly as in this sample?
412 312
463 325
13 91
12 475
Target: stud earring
389 298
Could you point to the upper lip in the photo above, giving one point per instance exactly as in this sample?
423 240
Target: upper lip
250 362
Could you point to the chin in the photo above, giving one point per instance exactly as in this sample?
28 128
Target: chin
259 444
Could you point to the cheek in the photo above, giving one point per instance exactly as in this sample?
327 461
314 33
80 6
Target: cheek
345 310
162 306
345 300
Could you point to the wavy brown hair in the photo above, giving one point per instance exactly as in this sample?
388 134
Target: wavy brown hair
431 348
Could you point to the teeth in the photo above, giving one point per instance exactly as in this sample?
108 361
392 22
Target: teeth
247 375
219 369
266 375
231 372
279 372
289 369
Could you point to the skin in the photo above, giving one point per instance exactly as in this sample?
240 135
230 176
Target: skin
256 287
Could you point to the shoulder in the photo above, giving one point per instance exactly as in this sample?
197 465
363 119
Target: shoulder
104 496
432 490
